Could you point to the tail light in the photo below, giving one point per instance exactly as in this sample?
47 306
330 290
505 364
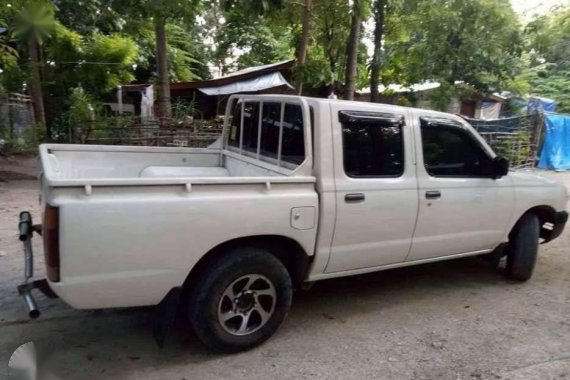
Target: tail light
50 232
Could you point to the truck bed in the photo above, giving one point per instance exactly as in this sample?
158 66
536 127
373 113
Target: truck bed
95 165
132 215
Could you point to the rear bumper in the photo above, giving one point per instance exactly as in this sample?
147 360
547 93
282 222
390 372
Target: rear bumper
26 231
558 224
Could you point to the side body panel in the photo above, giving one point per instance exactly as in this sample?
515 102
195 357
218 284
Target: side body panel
128 246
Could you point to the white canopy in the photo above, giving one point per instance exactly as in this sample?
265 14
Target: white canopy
248 85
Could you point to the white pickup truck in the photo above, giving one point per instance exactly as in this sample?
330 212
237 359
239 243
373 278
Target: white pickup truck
296 190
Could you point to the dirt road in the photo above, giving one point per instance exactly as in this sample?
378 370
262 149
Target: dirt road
453 320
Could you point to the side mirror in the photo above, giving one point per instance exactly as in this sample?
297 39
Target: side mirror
500 167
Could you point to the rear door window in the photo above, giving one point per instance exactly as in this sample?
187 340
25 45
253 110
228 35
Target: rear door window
373 144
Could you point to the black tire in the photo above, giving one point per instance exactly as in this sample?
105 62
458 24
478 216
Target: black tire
523 248
205 299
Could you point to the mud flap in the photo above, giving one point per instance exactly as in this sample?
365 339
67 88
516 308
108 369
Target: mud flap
165 314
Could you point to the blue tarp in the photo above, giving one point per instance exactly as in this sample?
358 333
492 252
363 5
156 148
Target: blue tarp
555 152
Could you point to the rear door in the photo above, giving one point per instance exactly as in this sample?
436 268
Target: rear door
376 187
461 209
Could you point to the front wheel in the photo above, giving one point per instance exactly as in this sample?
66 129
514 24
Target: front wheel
522 249
239 302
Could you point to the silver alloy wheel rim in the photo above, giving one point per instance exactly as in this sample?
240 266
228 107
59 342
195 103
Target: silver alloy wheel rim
247 304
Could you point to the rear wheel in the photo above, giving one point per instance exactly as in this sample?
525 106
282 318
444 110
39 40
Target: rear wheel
240 300
522 250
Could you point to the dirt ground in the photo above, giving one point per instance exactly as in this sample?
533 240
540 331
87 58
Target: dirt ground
453 320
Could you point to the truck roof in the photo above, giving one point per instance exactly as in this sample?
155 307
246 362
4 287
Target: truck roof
360 104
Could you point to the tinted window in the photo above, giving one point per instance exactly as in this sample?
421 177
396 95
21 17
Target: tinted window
270 122
250 126
372 148
293 147
234 133
452 152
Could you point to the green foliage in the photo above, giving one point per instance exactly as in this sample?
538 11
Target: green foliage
89 48
118 53
549 82
90 16
187 56
326 57
13 73
549 37
6 50
33 18
82 109
183 109
27 143
260 42
476 41
548 74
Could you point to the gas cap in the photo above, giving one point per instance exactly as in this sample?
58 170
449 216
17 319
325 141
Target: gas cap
303 218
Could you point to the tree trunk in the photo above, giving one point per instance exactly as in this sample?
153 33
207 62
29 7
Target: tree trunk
379 13
163 99
352 52
36 84
303 45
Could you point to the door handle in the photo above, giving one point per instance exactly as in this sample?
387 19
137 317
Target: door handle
354 198
433 194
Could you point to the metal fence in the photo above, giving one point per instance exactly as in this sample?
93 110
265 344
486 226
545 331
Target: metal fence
198 134
516 138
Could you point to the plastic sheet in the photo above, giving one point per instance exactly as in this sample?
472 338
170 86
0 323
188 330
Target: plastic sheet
555 153
541 104
248 85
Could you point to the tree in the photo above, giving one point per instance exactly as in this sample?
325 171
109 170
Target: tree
92 16
163 98
379 13
34 21
548 40
352 46
326 58
475 41
254 33
161 12
304 44
257 41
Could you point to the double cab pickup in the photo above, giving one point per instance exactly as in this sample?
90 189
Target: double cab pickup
296 190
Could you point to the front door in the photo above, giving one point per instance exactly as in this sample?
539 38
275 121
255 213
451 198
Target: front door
376 188
461 208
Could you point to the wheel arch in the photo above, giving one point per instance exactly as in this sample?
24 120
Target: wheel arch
287 250
544 213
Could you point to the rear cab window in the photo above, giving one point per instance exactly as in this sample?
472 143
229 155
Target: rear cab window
270 131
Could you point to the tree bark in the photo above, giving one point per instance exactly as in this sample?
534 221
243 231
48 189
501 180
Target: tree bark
163 99
352 52
303 45
379 16
36 85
